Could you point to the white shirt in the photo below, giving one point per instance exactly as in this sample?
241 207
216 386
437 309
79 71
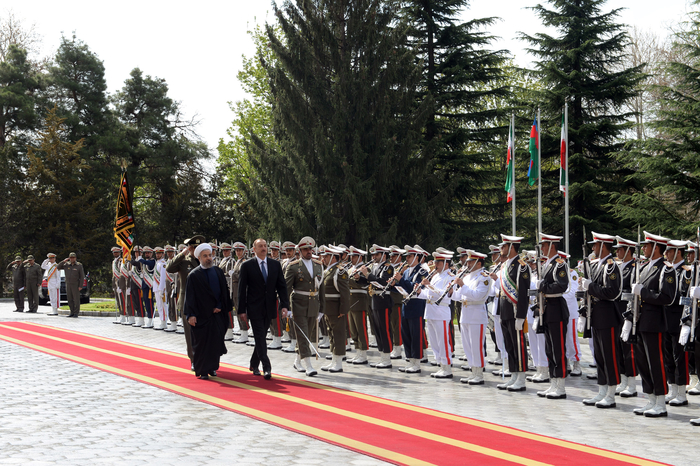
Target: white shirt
474 293
309 266
439 284
263 261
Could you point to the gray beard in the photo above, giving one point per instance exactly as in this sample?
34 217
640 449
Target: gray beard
207 266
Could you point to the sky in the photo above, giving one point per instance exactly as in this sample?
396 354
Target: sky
197 46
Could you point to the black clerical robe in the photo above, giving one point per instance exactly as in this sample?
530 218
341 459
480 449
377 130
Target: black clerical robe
208 334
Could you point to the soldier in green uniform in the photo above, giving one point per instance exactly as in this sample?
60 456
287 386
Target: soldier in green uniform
276 324
240 250
304 277
75 275
17 283
226 265
171 290
182 264
32 281
395 257
336 291
288 335
359 306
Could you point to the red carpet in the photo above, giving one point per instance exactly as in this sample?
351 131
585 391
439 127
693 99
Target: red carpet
392 431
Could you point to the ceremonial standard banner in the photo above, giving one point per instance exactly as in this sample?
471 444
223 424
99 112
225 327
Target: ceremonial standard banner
124 220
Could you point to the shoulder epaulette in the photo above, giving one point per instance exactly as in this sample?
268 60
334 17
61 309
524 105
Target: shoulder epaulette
687 267
317 261
559 260
668 264
611 262
522 262
294 262
485 274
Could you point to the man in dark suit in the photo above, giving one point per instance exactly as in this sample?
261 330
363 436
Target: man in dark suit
261 283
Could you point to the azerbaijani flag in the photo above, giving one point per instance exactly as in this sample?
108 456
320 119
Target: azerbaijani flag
563 168
510 182
533 169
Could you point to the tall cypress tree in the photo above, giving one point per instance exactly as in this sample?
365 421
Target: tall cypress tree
461 77
666 166
582 65
346 120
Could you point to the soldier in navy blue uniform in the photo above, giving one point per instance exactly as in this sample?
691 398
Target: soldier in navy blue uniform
675 356
553 284
628 265
604 287
382 305
513 303
413 311
656 289
147 266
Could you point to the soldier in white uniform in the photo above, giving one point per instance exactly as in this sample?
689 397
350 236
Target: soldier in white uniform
472 292
437 313
53 282
493 308
536 340
118 284
159 279
573 350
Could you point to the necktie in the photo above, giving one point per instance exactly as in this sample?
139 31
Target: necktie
264 272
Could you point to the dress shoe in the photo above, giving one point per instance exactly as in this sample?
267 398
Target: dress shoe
18 310
255 370
268 375
213 373
192 367
203 377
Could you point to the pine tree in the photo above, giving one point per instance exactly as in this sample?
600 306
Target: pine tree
345 120
581 66
666 166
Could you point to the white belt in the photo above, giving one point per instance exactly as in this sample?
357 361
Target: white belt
434 303
333 296
554 295
306 293
358 291
472 303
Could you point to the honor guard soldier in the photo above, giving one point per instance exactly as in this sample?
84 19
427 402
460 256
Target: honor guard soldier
118 285
693 385
136 284
336 293
18 284
147 266
226 264
455 306
552 285
382 303
496 331
304 277
240 249
471 292
437 292
656 288
604 288
32 281
159 279
675 356
359 305
573 349
182 264
288 335
276 326
413 310
53 282
536 340
75 275
395 255
513 302
627 264
170 290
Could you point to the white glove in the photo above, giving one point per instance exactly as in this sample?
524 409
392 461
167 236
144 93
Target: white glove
626 329
128 291
119 290
695 292
535 324
585 283
539 282
581 325
320 316
685 334
519 324
637 289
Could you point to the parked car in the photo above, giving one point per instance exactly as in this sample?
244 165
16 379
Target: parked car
63 297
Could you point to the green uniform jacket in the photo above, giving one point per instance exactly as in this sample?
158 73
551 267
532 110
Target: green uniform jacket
298 280
335 290
33 275
181 264
74 273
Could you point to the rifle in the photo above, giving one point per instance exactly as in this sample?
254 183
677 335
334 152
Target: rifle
587 295
633 299
540 276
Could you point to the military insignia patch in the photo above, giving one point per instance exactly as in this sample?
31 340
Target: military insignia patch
562 274
486 282
526 276
344 276
687 281
669 279
613 276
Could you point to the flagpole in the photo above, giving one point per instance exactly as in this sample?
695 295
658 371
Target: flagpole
539 175
566 180
512 132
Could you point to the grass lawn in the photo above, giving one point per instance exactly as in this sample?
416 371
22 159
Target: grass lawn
107 306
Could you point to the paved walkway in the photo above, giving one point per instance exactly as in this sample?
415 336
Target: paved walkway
57 412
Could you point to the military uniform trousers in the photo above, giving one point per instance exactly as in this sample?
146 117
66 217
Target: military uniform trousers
629 362
336 326
358 328
439 337
516 347
650 362
473 339
172 302
19 297
161 305
54 297
277 324
32 297
136 301
308 324
73 292
607 354
147 296
413 334
677 360
120 297
555 348
382 308
536 342
242 324
396 337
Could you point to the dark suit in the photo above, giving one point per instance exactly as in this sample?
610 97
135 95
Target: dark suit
412 314
257 298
